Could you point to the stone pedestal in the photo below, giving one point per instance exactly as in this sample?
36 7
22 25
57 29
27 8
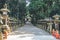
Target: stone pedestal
50 27
1 36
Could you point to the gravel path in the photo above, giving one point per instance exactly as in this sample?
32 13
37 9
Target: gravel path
30 32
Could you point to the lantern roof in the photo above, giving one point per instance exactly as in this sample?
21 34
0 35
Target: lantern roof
5 9
56 16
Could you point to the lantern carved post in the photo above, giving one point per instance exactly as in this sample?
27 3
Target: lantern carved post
56 21
5 10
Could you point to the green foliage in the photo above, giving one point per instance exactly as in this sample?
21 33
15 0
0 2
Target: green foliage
44 8
36 8
17 8
2 2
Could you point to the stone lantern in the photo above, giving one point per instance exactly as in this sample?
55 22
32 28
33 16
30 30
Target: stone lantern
56 21
5 11
5 16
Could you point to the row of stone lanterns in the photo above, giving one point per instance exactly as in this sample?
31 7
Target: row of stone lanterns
56 22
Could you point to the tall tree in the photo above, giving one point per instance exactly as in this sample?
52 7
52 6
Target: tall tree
2 2
17 8
43 8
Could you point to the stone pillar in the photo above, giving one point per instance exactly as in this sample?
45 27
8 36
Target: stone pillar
50 27
57 26
1 36
6 20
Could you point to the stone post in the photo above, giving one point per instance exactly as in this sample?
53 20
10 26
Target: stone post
1 36
50 27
